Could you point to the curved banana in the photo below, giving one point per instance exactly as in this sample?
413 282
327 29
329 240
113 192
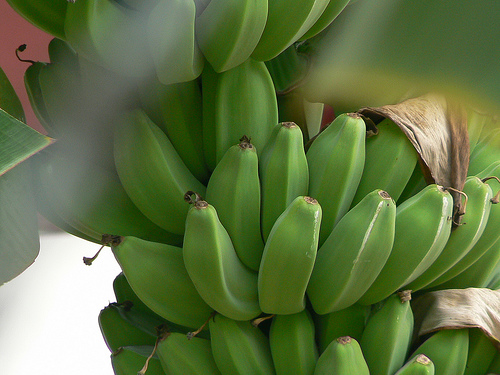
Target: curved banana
129 360
336 160
332 10
227 32
234 191
389 162
239 347
475 124
239 101
220 277
387 336
288 258
284 173
423 224
418 365
350 321
180 355
287 70
486 152
35 97
157 275
353 255
152 172
342 357
447 349
480 354
293 345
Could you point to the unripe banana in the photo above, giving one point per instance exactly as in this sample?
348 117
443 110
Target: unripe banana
415 184
239 347
227 32
220 277
157 274
486 152
129 360
480 354
331 12
288 258
180 355
464 237
35 97
234 190
447 349
418 365
475 124
354 254
350 321
387 336
342 357
494 367
389 162
423 224
293 345
336 159
252 111
152 172
284 173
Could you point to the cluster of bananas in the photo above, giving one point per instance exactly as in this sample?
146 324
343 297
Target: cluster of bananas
249 241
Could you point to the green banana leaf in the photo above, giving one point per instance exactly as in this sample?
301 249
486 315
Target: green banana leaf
379 52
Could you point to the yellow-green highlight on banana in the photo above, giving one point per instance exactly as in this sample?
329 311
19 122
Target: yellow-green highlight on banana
342 357
418 365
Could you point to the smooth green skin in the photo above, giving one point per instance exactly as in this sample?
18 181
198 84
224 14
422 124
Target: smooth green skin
418 365
331 12
494 367
390 159
152 172
157 275
177 110
234 190
32 85
47 15
288 258
239 348
118 332
293 345
423 225
228 32
284 173
209 79
9 101
387 336
130 360
486 152
480 354
220 277
336 160
342 357
463 238
350 321
287 69
180 355
447 349
475 124
490 235
278 35
354 254
61 52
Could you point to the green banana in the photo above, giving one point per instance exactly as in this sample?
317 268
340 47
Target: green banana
480 353
287 70
350 321
35 97
253 109
220 277
46 15
418 365
157 275
423 224
292 342
336 159
284 173
447 349
61 52
239 347
177 110
172 41
180 355
234 190
279 34
90 199
227 32
288 257
129 360
415 184
353 255
387 336
464 237
118 332
486 152
494 367
389 162
332 10
152 172
342 357
475 124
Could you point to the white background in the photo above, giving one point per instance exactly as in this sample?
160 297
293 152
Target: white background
48 314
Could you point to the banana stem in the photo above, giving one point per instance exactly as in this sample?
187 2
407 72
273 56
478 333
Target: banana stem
190 335
88 261
21 48
257 321
162 335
